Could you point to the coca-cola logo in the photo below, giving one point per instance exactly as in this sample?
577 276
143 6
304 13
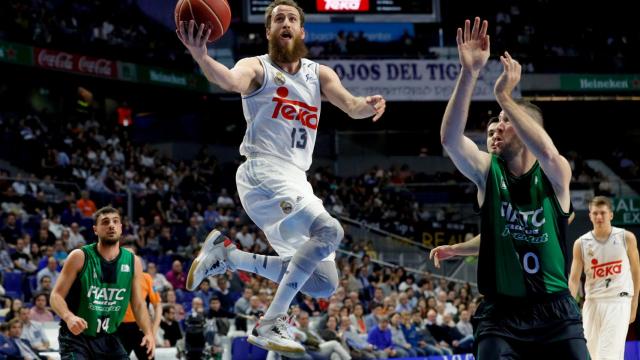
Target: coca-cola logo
342 5
294 110
55 59
102 67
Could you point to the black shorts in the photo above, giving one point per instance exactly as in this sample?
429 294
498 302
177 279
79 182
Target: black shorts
82 347
519 329
131 336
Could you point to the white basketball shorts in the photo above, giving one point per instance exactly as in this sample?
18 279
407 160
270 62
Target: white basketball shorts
274 193
605 326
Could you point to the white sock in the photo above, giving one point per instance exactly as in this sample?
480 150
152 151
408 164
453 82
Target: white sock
292 281
263 265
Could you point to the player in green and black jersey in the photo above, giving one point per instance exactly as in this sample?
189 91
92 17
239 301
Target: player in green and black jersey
92 294
523 193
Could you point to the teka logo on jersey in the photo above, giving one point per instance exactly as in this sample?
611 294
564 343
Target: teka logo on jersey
606 269
294 110
342 5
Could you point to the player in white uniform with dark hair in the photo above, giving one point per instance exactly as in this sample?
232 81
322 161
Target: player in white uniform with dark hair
281 98
609 258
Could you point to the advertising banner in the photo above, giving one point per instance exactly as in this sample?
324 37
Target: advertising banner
412 80
626 211
16 53
87 65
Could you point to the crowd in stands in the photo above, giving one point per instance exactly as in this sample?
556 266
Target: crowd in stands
99 27
92 28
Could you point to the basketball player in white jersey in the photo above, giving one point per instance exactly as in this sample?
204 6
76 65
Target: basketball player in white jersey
281 98
609 258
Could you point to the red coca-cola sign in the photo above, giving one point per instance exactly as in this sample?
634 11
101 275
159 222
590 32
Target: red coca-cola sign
60 60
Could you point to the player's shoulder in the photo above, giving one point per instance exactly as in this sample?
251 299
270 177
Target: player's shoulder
75 260
253 62
588 236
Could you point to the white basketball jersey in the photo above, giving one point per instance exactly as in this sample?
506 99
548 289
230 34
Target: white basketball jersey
606 266
283 114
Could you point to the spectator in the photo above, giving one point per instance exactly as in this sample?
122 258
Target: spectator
440 332
44 237
44 285
403 304
241 307
86 206
224 200
310 305
246 238
51 271
32 331
6 264
223 294
424 339
13 309
372 320
205 293
401 345
21 260
217 311
169 298
254 312
170 326
316 346
24 347
11 231
76 239
55 227
160 282
40 312
176 276
359 348
464 325
380 337
357 320
59 251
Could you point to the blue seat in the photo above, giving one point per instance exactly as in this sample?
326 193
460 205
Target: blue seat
13 281
13 294
33 283
243 350
183 296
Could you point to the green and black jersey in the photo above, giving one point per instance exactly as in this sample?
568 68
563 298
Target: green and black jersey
101 292
524 251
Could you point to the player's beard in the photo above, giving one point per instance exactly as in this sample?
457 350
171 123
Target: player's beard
287 54
109 241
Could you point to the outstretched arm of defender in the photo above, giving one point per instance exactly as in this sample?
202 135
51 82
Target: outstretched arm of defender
634 260
70 270
576 269
245 76
140 310
535 138
467 248
473 49
356 107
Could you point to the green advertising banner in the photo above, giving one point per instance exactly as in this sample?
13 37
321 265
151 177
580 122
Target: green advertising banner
586 82
626 211
166 77
16 53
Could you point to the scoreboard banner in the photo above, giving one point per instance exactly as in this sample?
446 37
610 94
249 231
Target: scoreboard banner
368 11
412 80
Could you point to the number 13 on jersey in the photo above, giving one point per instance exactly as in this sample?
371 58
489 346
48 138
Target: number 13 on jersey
299 138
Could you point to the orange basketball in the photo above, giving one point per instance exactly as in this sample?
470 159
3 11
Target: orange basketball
215 14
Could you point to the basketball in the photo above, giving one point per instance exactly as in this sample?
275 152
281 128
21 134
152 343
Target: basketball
215 14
